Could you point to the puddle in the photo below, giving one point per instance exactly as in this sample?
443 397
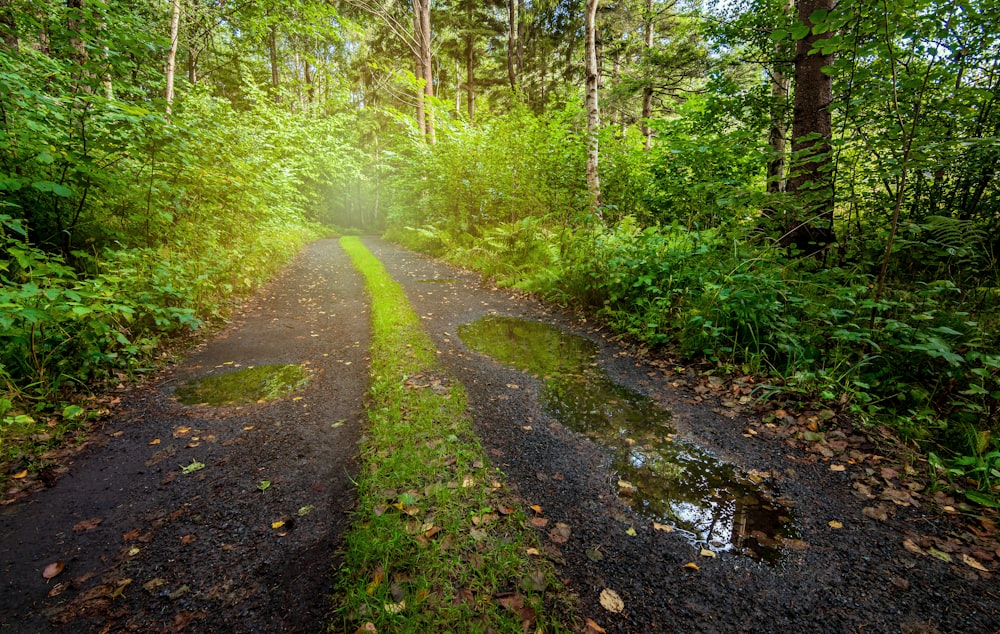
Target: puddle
674 482
253 385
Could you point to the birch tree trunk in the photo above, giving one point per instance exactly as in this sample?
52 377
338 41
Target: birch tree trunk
779 127
512 43
593 113
175 20
647 90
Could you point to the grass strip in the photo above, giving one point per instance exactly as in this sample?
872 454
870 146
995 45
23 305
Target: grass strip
438 543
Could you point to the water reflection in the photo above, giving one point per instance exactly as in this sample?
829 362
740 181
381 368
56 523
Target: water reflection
666 479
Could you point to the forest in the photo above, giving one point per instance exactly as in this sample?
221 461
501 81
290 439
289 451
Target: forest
805 193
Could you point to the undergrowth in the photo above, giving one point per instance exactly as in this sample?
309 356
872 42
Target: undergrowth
436 543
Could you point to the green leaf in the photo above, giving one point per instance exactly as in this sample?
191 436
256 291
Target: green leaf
72 412
55 188
779 34
983 499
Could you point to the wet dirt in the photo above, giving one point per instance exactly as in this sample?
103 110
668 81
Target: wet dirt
666 480
150 541
856 578
153 543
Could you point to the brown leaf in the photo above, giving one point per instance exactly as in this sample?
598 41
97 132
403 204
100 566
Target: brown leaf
511 600
53 569
878 513
464 595
86 525
590 627
367 628
534 581
187 539
972 563
611 602
539 522
560 534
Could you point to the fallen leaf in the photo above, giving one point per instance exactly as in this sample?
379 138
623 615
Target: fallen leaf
306 510
560 534
972 563
662 527
834 524
153 584
611 602
154 441
86 525
278 524
132 534
876 512
939 554
531 551
837 467
367 628
468 481
188 539
194 466
590 627
692 566
536 508
534 581
539 522
631 531
179 592
133 551
526 427
53 569
707 553
20 474
58 589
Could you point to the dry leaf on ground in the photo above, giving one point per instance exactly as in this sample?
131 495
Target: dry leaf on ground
611 602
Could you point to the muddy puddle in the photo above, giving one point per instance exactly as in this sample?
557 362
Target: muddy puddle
666 479
240 387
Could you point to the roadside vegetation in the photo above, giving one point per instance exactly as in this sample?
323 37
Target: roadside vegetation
437 542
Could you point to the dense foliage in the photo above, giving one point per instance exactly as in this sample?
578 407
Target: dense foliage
119 223
894 322
855 263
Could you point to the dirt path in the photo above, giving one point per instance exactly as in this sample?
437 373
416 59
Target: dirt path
858 578
199 548
202 552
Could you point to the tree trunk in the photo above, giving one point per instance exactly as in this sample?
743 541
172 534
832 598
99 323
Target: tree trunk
512 44
175 20
78 43
419 68
470 76
272 50
593 116
647 90
779 127
8 27
425 41
810 178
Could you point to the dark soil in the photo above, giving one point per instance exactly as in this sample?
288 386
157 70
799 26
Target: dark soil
198 551
858 578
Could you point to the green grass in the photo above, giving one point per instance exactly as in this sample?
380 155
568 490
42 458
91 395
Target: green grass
437 543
